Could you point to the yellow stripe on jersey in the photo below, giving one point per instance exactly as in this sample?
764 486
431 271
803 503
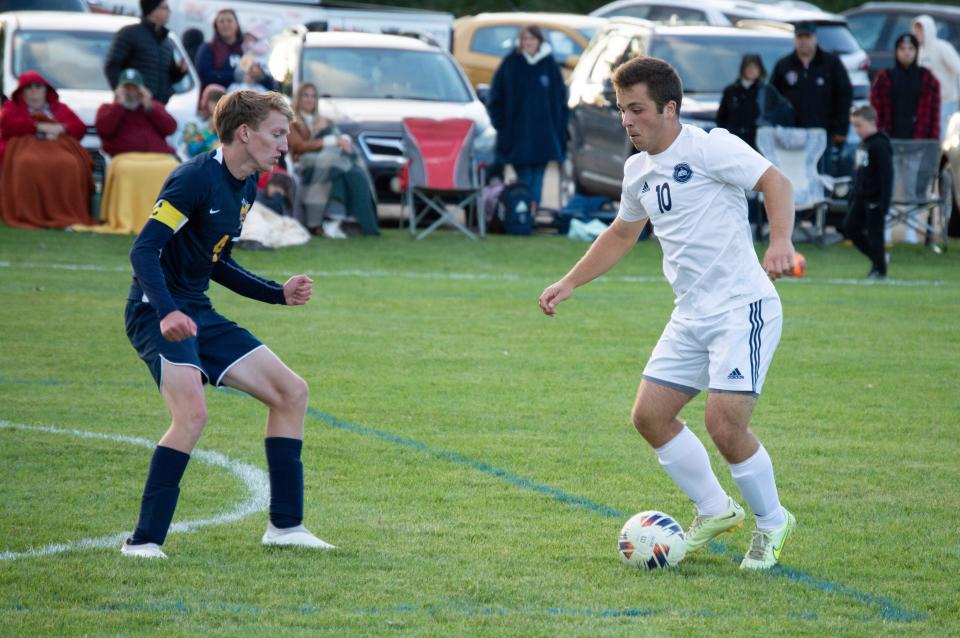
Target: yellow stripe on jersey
165 213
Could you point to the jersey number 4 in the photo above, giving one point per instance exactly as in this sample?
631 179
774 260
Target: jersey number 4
664 200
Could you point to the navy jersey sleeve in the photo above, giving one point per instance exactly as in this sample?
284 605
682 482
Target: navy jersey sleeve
229 274
176 201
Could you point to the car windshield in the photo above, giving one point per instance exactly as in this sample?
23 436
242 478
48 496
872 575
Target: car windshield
379 74
67 59
42 5
836 38
709 64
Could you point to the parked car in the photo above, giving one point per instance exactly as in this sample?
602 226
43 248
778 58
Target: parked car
833 34
69 50
876 26
706 58
43 5
369 82
480 42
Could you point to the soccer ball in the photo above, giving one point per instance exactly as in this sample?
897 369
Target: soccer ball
652 540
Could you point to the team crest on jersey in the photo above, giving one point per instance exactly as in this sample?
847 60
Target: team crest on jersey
682 173
244 207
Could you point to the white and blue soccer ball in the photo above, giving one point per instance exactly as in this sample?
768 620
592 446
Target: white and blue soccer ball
652 540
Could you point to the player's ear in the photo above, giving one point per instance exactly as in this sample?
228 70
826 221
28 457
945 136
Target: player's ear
243 133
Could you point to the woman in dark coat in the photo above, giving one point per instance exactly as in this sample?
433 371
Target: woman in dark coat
219 61
528 107
750 102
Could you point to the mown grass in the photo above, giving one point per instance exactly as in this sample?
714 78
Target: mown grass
472 459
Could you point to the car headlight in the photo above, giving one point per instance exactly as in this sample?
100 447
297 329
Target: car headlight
485 144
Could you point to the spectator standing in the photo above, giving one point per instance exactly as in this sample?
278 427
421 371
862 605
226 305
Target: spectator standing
334 181
46 177
906 98
872 191
219 61
134 121
816 84
199 135
943 61
146 47
528 107
751 102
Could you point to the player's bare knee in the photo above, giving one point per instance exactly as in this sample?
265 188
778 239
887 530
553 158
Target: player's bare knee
296 393
644 420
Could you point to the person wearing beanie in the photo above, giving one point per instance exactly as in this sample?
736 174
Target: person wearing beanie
146 47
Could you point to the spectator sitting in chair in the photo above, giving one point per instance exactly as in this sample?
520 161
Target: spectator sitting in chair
135 121
45 175
133 131
198 134
334 180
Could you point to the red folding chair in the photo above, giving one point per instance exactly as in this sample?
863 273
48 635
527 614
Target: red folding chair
441 173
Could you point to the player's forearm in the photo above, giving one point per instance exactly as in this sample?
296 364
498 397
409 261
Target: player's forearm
778 201
608 249
145 259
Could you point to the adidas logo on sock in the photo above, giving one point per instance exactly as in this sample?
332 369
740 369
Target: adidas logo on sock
735 375
645 189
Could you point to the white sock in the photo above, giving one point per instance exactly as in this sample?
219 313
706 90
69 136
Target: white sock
755 479
686 461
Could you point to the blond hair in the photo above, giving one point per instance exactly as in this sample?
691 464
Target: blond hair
246 107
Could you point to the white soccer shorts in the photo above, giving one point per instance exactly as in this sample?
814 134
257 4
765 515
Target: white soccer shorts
727 352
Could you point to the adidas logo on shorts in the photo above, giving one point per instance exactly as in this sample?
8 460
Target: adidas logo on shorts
735 375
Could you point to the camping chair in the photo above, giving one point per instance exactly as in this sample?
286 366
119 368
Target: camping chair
918 189
440 173
796 151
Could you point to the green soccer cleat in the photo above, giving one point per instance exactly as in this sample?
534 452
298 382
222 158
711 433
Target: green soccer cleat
765 546
703 529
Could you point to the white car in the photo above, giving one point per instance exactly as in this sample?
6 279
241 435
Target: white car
833 34
370 82
69 50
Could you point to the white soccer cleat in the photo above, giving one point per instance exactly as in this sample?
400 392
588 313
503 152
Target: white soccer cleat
706 528
298 536
765 546
143 550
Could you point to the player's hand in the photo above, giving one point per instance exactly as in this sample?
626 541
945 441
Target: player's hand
778 261
177 326
553 295
297 290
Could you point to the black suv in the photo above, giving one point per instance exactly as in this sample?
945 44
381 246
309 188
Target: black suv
707 60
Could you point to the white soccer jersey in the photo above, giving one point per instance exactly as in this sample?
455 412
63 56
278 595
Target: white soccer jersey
693 192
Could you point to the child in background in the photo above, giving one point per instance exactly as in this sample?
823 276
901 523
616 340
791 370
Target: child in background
872 190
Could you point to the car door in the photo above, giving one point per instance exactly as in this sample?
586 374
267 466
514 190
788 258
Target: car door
602 146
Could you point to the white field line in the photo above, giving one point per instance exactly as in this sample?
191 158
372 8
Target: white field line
252 477
468 276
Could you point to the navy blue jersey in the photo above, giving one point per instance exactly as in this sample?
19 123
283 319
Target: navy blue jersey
198 214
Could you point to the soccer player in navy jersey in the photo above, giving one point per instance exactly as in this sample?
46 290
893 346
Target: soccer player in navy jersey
185 343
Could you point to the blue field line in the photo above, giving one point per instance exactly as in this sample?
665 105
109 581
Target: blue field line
459 459
888 609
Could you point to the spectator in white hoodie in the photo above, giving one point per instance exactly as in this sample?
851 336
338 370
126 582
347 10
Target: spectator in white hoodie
942 59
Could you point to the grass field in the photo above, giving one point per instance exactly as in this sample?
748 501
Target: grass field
473 460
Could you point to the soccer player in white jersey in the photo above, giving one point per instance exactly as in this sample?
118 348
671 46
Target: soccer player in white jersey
727 320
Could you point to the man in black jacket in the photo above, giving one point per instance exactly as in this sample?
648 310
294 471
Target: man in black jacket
817 85
146 48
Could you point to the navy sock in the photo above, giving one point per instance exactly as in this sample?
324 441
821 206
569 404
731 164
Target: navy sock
286 481
160 495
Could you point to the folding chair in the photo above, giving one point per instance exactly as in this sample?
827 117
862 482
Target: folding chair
918 189
440 173
796 151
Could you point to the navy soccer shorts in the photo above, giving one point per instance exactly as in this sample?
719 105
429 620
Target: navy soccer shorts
218 346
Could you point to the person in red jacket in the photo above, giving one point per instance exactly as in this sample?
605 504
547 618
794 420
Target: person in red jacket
134 122
39 139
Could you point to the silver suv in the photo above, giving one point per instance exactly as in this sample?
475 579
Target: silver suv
370 82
